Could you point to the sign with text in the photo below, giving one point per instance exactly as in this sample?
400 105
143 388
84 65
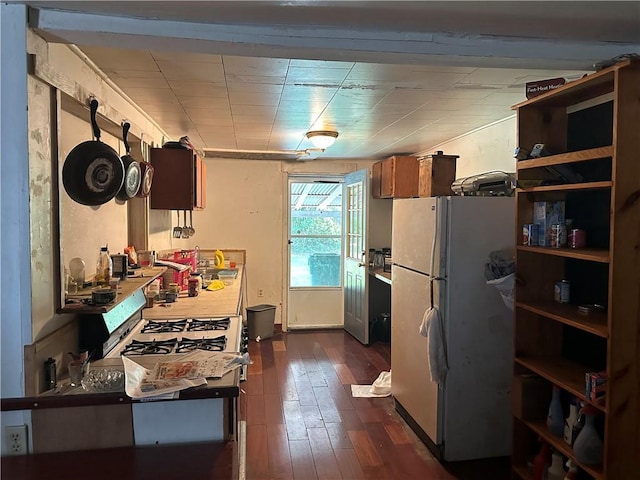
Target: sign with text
533 89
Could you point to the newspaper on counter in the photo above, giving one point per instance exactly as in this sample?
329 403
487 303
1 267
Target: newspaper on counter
179 373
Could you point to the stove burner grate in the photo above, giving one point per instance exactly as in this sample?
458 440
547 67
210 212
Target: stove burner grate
199 325
216 344
154 326
152 347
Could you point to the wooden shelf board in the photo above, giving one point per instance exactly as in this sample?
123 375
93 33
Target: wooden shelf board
600 255
567 186
595 323
569 157
562 372
540 427
523 472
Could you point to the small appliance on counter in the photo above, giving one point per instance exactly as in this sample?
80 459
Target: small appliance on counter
386 260
489 184
120 266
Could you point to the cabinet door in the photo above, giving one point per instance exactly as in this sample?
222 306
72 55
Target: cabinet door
178 180
387 183
376 180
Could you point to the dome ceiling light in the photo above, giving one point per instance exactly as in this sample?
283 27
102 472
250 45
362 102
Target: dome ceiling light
322 138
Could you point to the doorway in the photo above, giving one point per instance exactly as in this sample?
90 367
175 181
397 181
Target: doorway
315 231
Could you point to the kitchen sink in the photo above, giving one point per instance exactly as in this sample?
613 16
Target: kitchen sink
213 271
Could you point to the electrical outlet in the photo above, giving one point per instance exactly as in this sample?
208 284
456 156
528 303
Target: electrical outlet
260 292
16 439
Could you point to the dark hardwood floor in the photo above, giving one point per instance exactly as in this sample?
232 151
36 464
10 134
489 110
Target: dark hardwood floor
302 422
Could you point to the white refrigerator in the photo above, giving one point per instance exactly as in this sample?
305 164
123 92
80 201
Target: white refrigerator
468 416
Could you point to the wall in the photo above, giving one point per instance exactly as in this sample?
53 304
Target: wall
246 209
15 273
87 228
484 149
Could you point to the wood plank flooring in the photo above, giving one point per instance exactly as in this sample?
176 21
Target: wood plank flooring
300 423
303 424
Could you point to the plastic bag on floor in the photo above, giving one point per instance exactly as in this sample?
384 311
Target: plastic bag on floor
382 384
505 286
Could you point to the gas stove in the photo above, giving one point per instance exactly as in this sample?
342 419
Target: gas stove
180 335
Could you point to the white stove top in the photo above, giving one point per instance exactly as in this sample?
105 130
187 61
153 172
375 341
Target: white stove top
181 331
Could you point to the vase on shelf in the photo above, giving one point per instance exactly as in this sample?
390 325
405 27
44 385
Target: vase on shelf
588 446
555 416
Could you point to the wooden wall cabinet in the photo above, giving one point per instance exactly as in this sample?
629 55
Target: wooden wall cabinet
179 180
395 177
590 128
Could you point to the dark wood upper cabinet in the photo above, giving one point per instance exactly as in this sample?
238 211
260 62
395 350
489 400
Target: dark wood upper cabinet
179 180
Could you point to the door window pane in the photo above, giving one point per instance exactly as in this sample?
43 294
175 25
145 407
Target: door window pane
316 234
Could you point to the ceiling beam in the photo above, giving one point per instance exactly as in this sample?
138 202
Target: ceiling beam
337 190
322 42
303 196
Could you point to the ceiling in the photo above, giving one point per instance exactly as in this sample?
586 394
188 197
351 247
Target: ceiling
390 77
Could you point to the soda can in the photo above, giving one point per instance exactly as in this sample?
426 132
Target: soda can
558 235
530 232
562 291
577 238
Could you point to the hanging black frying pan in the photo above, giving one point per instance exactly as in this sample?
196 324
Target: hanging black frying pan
93 172
132 172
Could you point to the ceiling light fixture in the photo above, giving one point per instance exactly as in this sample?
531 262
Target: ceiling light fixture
322 138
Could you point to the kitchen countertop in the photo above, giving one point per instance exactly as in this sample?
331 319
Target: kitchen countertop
226 301
381 275
227 386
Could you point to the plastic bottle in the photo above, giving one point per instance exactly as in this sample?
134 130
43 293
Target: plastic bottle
578 425
104 268
555 471
569 422
555 417
572 473
588 446
541 462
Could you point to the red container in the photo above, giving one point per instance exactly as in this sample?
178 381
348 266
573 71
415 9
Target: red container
186 257
577 238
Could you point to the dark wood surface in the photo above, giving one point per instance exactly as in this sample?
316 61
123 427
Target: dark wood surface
301 423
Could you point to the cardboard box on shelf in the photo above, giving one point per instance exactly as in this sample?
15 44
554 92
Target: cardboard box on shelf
546 214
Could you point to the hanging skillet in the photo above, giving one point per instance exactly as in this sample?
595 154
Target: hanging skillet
132 171
93 172
146 175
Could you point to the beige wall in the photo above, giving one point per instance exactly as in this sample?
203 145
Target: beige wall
246 209
487 148
87 228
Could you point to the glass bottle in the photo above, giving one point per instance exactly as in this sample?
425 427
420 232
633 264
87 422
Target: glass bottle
104 268
555 417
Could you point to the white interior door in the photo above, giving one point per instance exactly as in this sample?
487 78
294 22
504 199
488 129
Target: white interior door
315 297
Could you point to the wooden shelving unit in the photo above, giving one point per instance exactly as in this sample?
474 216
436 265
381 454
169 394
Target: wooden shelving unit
591 128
